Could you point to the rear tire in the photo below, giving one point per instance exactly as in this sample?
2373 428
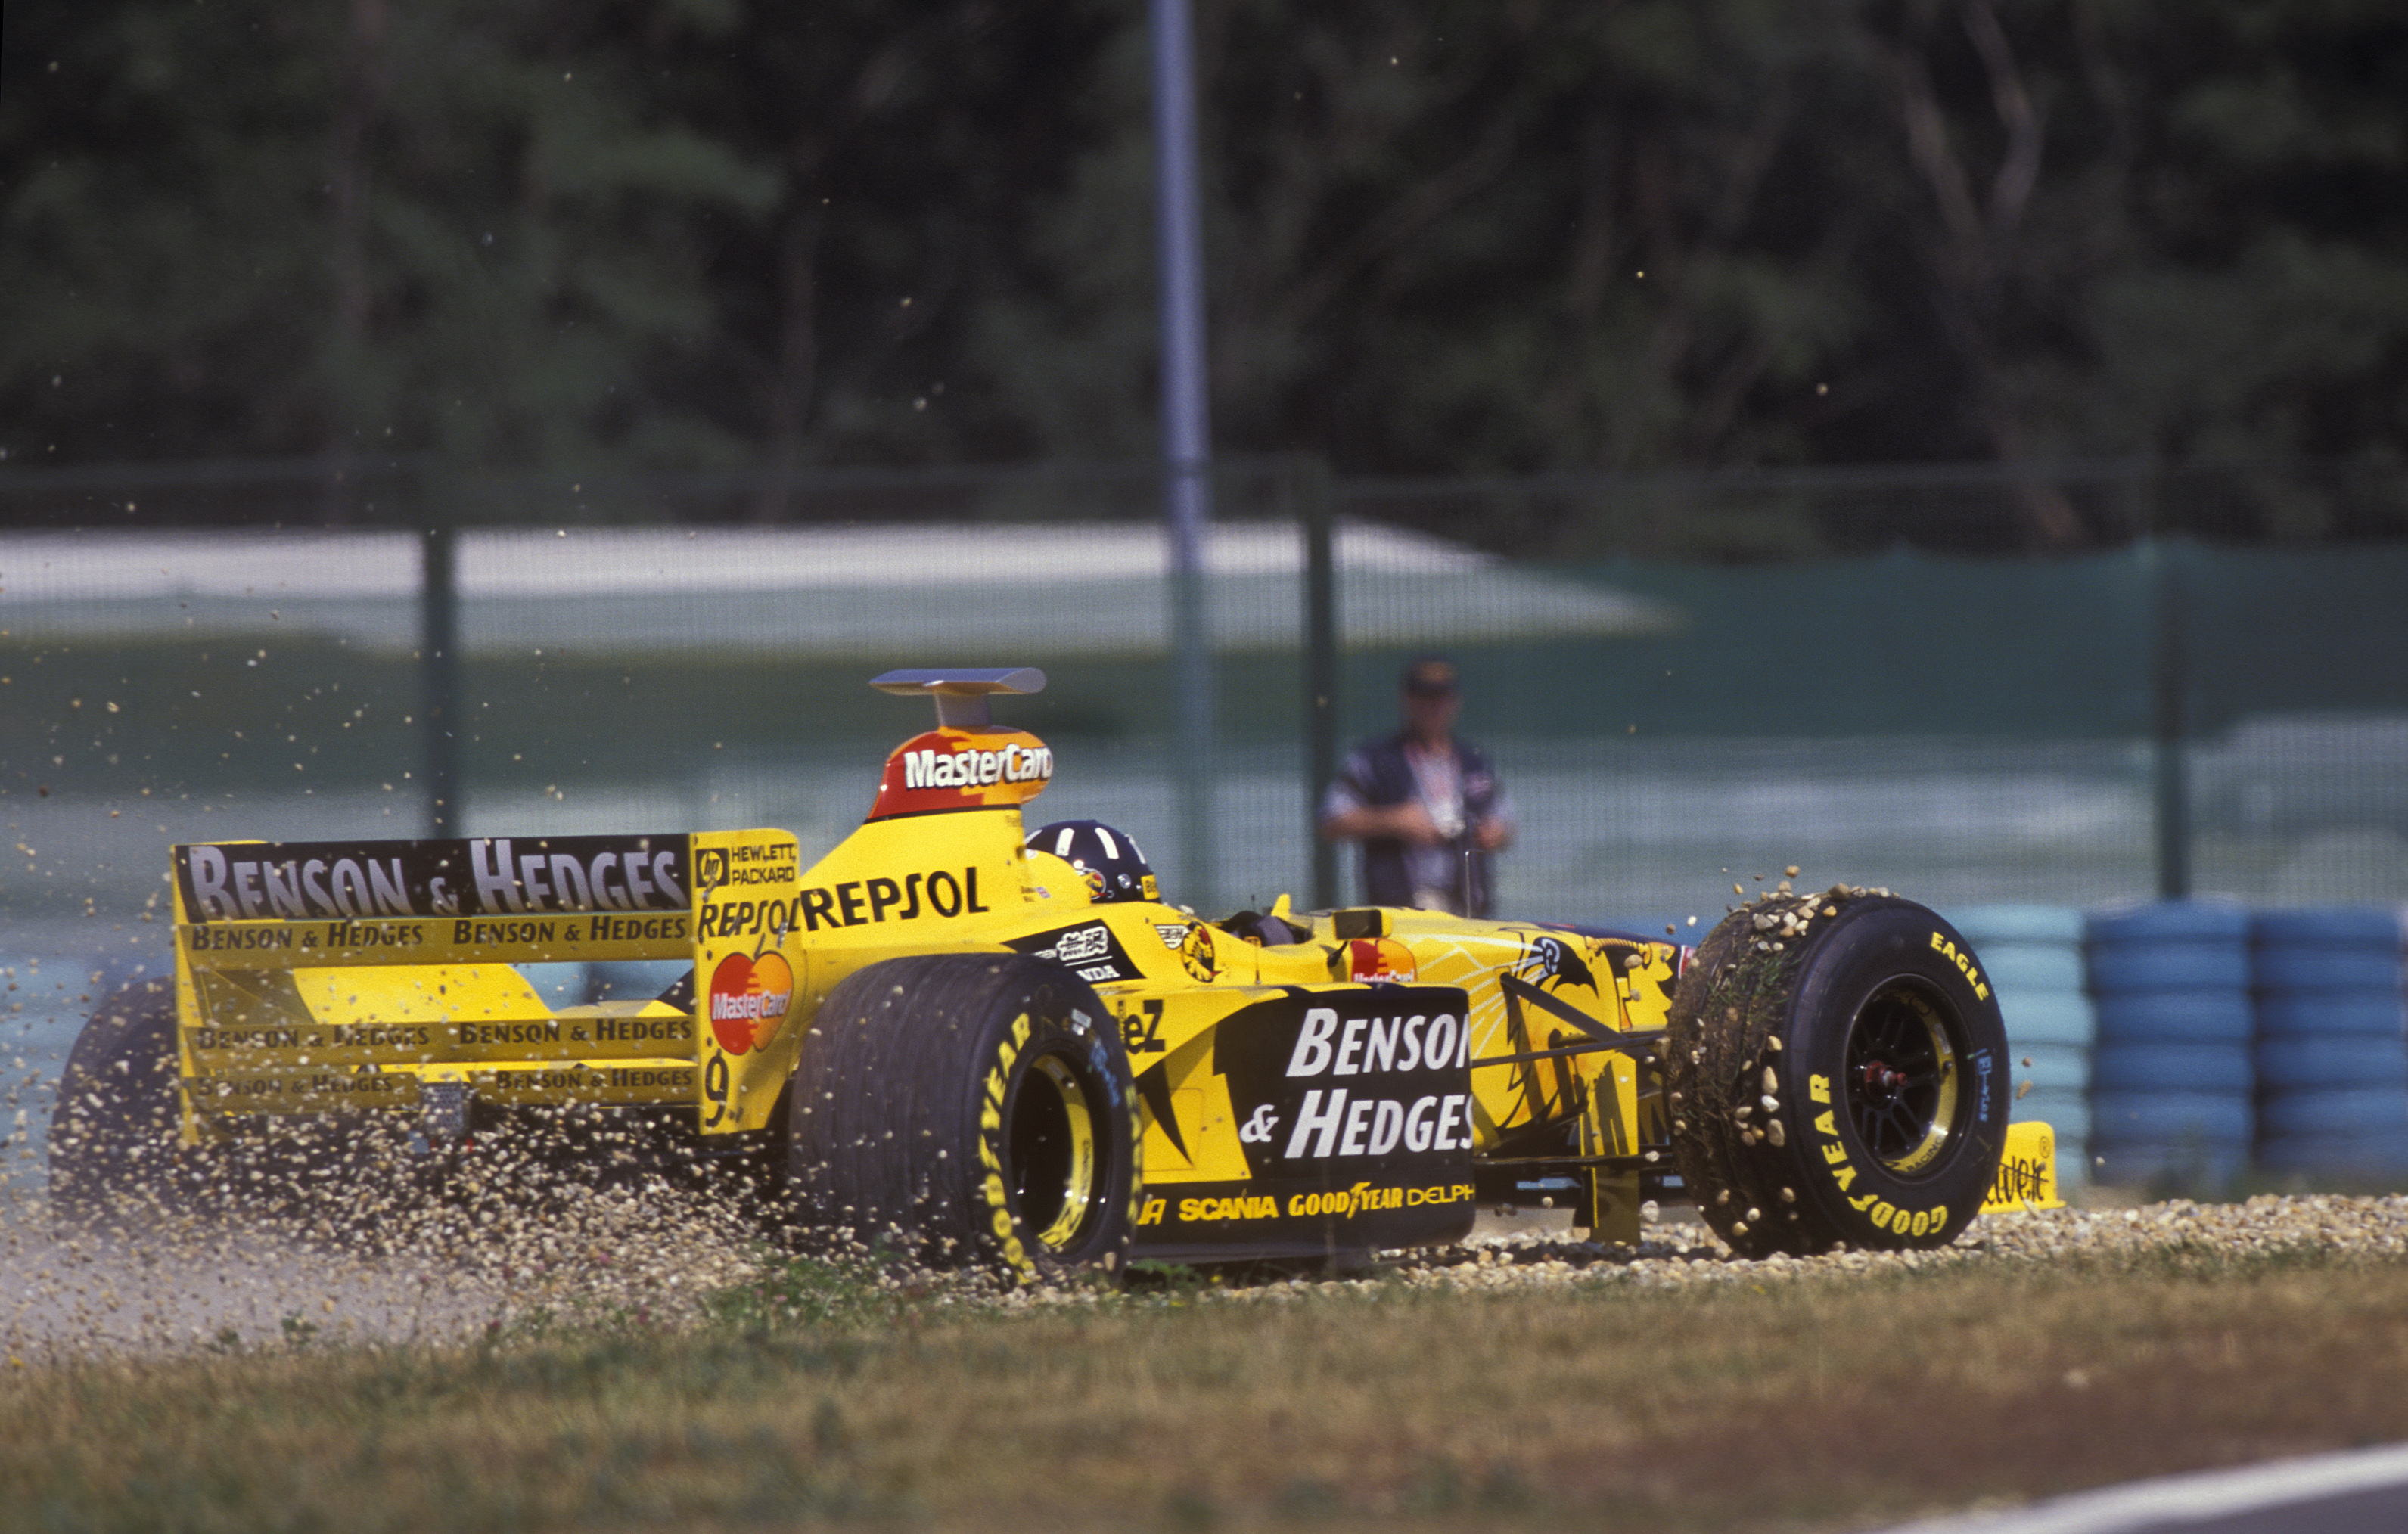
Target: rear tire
1868 1021
114 1132
968 1109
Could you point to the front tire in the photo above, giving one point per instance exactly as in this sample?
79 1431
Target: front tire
1840 1074
968 1108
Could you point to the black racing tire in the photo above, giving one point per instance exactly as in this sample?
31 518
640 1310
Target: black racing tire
114 1129
1868 1024
967 1109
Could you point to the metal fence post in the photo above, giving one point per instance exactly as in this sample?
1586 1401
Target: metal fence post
1187 437
2162 558
438 679
1315 514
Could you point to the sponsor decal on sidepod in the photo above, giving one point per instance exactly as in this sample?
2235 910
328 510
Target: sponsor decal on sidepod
1368 1125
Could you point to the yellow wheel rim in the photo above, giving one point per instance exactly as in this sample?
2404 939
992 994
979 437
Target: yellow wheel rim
1055 1152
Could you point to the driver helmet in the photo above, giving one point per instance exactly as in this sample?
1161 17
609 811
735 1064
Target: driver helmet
1111 861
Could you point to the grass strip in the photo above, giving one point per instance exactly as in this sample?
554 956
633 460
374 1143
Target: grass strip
821 1396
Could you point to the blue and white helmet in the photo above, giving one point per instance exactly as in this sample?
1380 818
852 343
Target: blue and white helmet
1111 861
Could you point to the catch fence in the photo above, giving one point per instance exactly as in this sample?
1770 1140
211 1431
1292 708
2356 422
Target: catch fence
2141 715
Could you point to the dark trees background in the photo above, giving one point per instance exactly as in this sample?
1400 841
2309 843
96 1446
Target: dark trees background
1446 236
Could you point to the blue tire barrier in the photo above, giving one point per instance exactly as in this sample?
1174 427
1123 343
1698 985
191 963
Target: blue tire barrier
639 979
2188 1163
2124 967
2029 969
2309 1063
2331 1154
2169 921
2374 1114
2326 1015
2046 1018
2031 955
2172 1120
2317 970
2331 1052
2057 1068
2040 1075
2197 1017
561 984
2049 925
2357 927
2172 945
2043 1092
2173 1087
2068 1113
2121 1068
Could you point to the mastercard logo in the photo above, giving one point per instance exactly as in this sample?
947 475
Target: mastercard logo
749 998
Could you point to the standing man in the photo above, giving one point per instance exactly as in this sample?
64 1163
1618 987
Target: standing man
1426 806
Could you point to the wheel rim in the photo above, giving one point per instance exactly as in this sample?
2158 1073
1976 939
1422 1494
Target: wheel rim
1901 1077
1054 1149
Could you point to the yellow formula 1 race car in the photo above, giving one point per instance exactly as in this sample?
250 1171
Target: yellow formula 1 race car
979 1046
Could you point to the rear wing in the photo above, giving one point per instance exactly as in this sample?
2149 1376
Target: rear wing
323 976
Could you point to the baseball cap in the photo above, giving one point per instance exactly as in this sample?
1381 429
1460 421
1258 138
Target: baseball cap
1430 677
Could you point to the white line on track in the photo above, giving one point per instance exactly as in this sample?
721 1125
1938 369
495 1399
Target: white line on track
2172 1501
